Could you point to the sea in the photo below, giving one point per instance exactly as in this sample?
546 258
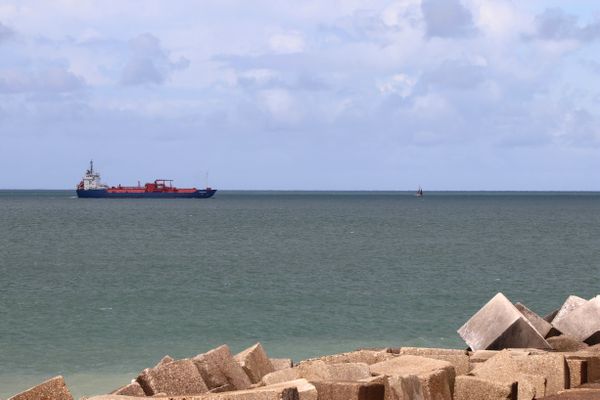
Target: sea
98 289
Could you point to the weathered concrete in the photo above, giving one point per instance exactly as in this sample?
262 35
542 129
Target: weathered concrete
220 371
281 363
577 371
458 358
575 394
482 355
165 360
542 326
549 317
330 390
407 387
571 303
133 389
359 356
306 390
435 377
498 325
320 371
52 389
179 377
255 362
285 392
283 375
582 322
593 363
508 367
473 388
566 343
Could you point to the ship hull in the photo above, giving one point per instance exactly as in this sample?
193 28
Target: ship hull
107 194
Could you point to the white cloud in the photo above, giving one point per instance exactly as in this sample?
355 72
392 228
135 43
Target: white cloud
287 43
400 84
280 104
149 62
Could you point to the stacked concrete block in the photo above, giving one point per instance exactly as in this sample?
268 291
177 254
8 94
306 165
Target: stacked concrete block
282 392
571 303
255 362
175 378
220 370
581 322
281 363
306 390
335 390
320 371
359 356
537 374
52 389
541 325
283 375
592 360
415 376
458 358
499 325
578 374
474 388
132 389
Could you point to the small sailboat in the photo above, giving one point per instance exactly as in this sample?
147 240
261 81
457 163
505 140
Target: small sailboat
419 192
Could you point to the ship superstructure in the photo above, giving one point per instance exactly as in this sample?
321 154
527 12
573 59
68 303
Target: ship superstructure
91 180
91 186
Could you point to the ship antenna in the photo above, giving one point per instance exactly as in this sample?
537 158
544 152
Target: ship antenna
92 166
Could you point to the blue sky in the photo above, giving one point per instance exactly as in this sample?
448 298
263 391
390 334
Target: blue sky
384 95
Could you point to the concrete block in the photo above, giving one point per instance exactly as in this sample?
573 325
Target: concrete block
320 371
359 356
165 360
542 326
571 303
575 394
482 355
509 367
498 325
306 389
577 372
582 322
52 389
283 392
133 389
255 362
283 375
549 317
407 387
179 377
593 363
566 343
330 390
458 358
473 388
220 370
435 377
281 363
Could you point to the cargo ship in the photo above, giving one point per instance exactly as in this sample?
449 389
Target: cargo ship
92 187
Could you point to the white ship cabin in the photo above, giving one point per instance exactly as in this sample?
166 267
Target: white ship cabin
91 179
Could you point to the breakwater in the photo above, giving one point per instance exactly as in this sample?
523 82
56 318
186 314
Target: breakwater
514 354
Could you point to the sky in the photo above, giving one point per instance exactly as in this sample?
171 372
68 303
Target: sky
302 95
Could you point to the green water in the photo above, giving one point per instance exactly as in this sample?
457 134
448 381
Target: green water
97 290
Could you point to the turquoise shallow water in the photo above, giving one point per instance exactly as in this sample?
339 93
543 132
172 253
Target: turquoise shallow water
96 290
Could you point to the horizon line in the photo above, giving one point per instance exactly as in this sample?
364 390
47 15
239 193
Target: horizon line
362 190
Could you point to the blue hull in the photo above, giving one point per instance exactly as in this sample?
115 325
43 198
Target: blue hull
105 194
